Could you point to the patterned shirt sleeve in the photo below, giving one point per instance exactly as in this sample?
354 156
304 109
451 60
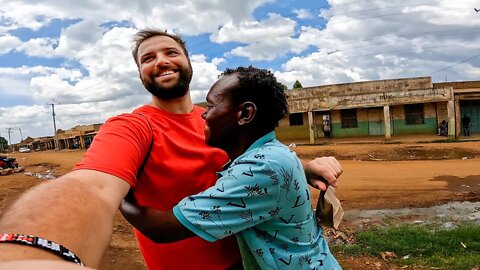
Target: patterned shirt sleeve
246 194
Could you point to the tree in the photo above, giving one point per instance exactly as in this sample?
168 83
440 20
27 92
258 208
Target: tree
297 85
3 143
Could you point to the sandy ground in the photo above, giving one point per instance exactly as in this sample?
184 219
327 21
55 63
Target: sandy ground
376 176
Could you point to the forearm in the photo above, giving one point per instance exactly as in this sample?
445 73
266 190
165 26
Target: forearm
68 211
159 226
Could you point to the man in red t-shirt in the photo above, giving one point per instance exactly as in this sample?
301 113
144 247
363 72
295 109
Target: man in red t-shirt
158 151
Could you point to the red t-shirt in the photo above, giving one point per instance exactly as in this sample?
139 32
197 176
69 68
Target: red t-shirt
180 164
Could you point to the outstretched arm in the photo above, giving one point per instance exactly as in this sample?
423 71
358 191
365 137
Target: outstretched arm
159 226
75 210
322 171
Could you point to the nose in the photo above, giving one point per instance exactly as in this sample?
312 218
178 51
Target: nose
204 114
162 60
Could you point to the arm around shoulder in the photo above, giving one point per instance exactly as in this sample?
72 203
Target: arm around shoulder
75 210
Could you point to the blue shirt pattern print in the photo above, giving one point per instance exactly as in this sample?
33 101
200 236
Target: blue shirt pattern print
262 197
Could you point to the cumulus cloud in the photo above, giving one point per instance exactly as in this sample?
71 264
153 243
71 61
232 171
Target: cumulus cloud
382 40
303 14
9 43
265 40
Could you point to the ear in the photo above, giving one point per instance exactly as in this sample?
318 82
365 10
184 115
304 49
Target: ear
246 112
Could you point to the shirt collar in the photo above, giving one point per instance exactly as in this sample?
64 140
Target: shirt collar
263 140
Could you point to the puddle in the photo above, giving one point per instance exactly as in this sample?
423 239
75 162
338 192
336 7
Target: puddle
447 214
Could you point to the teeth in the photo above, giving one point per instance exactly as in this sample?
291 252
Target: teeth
166 73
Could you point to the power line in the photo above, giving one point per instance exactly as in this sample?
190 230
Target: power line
461 62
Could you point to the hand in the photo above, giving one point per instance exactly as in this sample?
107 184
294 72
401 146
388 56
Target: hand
131 211
159 226
323 171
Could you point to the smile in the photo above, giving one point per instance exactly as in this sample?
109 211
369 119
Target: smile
166 73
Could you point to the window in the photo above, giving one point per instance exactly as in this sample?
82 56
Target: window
296 119
414 114
349 118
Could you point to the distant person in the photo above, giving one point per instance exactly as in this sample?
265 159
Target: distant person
466 125
159 152
262 196
443 129
327 127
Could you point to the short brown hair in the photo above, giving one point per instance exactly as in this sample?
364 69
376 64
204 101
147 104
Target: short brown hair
145 34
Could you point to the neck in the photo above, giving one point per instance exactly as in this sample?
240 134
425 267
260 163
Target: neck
181 105
242 142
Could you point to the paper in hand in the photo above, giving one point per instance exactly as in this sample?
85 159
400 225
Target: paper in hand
329 211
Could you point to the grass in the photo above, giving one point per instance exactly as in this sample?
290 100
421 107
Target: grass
421 245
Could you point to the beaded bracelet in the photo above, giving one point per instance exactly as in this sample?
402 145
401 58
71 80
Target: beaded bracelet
42 243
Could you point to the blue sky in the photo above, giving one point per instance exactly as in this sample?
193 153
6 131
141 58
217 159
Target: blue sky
76 54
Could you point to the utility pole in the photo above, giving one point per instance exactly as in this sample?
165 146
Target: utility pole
9 131
54 125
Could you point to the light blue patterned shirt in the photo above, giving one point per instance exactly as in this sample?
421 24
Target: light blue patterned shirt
263 198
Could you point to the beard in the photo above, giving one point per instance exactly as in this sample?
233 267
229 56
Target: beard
180 89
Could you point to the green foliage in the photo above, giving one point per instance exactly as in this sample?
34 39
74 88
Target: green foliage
297 85
3 143
421 246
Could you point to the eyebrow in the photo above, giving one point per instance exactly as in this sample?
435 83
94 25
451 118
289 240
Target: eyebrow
163 49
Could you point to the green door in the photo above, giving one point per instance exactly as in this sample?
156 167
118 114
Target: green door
472 109
375 121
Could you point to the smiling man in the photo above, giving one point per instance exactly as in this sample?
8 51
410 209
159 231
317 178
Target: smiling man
262 195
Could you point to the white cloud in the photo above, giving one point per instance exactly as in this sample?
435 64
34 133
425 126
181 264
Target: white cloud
8 43
303 14
266 40
189 17
41 47
381 40
204 74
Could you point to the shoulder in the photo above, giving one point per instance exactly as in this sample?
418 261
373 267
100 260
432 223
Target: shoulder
271 158
276 151
138 119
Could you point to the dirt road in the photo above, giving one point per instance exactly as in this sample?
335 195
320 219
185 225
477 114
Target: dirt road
376 176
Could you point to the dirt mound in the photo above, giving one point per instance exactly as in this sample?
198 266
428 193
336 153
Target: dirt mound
415 152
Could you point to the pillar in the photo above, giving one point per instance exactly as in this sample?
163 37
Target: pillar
386 121
451 119
457 117
312 127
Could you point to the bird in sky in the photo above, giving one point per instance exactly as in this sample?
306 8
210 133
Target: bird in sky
476 9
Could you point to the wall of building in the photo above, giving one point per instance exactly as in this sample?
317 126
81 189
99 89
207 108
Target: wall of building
428 127
293 133
369 99
285 132
442 113
362 125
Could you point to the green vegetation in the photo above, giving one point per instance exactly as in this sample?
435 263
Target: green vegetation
297 85
3 143
457 248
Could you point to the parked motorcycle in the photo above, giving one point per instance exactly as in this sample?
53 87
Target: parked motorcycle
8 162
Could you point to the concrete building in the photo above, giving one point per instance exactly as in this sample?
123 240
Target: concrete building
380 108
78 137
